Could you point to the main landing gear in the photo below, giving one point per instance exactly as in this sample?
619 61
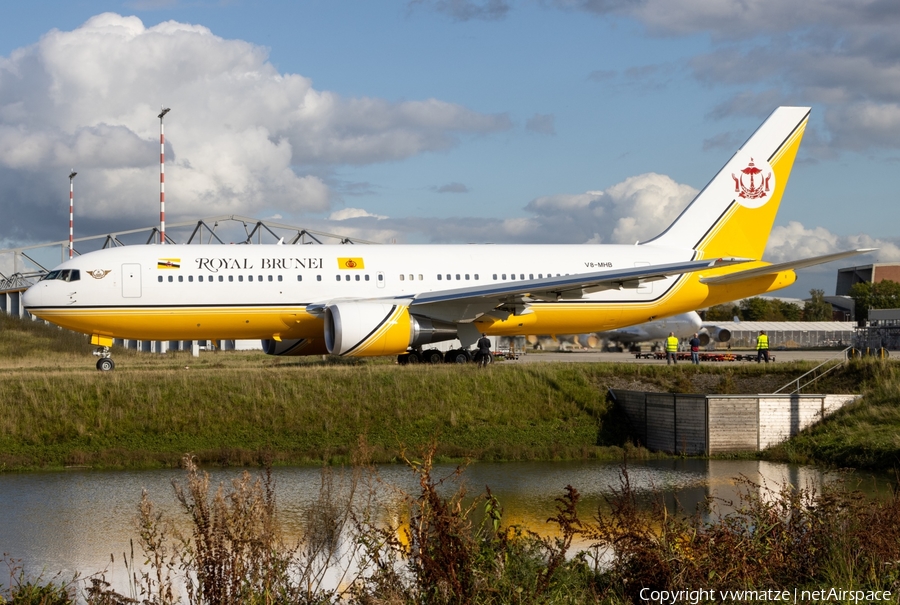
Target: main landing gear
433 356
105 363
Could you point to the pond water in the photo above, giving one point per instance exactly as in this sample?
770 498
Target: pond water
76 520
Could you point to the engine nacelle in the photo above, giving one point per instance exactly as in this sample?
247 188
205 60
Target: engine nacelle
589 341
365 329
716 334
292 348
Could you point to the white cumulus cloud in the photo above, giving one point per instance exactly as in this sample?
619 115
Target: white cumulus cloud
794 241
348 213
241 137
636 209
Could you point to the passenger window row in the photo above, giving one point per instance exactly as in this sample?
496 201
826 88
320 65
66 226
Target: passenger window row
512 276
73 275
221 278
449 277
250 278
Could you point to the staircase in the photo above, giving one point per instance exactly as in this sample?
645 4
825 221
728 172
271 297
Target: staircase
801 382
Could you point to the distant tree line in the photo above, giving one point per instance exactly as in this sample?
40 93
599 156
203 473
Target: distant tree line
773 309
881 295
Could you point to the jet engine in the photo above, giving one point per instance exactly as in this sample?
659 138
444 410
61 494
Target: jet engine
708 335
589 341
365 329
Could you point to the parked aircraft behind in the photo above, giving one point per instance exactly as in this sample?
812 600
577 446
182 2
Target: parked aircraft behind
684 325
395 300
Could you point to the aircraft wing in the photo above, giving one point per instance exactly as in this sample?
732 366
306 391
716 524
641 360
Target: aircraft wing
467 303
779 267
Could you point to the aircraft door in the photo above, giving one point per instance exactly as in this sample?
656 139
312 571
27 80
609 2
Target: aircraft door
379 279
131 280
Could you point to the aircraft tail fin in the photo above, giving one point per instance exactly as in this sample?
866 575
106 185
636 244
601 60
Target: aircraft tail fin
734 213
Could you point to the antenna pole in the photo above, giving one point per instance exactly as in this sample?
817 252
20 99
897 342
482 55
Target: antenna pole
162 177
71 212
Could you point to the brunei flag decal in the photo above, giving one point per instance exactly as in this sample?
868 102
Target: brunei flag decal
351 263
168 263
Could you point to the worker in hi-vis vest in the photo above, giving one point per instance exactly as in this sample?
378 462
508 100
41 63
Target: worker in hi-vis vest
671 349
762 347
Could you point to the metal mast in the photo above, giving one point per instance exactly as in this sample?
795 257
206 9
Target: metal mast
162 177
71 212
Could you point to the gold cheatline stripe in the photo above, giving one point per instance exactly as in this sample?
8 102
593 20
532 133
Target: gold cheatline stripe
180 311
791 142
386 326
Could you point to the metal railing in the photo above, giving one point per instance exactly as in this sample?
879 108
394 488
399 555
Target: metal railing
20 281
840 358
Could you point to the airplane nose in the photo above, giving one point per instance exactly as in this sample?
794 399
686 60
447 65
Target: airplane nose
32 296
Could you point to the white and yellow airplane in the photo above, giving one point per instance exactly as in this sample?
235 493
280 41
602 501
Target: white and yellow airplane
683 325
393 300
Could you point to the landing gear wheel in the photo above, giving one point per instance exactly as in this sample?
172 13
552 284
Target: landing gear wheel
105 364
433 356
457 356
410 358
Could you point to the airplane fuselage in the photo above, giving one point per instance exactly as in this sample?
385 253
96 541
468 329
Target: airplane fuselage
260 291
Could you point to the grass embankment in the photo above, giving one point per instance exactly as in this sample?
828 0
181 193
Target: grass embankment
236 408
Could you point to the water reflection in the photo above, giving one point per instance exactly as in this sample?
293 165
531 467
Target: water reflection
75 520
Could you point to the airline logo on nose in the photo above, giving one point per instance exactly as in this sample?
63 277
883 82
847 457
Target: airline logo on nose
168 263
351 263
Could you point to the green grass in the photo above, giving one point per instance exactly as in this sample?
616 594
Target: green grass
296 413
238 408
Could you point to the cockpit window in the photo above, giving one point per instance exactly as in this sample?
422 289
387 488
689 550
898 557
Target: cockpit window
64 274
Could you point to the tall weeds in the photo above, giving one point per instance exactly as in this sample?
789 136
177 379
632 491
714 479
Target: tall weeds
769 539
445 548
233 550
19 589
440 546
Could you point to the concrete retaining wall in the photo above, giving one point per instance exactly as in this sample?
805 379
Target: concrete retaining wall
721 424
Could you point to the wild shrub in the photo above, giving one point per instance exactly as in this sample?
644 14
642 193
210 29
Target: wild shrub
22 590
767 539
233 552
440 546
453 549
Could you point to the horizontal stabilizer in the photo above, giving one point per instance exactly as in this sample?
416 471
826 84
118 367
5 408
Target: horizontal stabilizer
738 276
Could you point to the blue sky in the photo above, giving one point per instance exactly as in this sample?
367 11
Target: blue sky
554 121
